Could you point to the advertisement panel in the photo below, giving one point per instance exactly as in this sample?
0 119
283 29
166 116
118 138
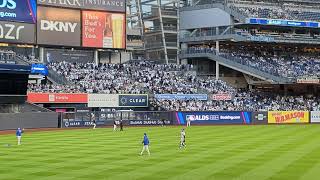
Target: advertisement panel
288 117
260 117
18 10
13 32
315 116
80 123
149 122
58 26
219 117
103 100
308 81
39 69
201 97
133 100
281 22
103 30
104 5
222 97
60 55
57 98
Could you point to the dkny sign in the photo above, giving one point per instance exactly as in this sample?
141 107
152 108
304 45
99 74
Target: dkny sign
11 32
58 26
105 5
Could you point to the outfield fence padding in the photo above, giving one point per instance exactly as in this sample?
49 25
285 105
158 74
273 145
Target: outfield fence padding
28 120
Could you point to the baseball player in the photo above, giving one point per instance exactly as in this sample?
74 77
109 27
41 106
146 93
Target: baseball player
121 126
145 143
114 125
182 139
188 122
93 118
19 135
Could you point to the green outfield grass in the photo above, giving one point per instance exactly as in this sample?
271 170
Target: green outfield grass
214 152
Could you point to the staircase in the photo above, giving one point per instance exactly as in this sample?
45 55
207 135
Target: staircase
53 76
56 78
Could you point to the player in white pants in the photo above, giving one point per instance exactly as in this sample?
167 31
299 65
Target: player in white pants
93 119
182 139
145 143
114 126
19 135
188 122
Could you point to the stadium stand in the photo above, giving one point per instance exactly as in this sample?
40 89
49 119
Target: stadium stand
278 10
146 77
292 66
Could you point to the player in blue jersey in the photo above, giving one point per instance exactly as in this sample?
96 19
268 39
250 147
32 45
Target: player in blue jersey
19 135
145 143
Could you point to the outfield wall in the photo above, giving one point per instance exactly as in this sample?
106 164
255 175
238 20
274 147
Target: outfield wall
134 118
155 118
28 120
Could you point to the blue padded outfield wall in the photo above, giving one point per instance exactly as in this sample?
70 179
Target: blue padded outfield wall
218 117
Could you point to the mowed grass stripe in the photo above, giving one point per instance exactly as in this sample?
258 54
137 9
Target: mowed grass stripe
227 147
225 160
288 150
103 154
261 157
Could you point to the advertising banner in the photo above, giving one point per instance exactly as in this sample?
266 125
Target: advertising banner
281 22
222 97
18 10
149 122
315 116
308 81
57 98
103 30
39 69
201 97
133 100
103 100
13 32
104 5
260 117
288 117
219 117
80 123
60 55
58 26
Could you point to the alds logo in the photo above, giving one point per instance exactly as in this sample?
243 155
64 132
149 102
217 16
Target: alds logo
58 26
10 31
10 4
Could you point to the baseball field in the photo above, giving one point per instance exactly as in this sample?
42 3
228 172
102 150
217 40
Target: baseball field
212 152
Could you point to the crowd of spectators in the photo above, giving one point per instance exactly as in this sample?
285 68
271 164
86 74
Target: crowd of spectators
278 11
293 66
133 78
145 77
7 56
243 101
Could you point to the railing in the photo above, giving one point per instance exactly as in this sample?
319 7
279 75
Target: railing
155 14
166 28
262 66
208 33
57 78
160 44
